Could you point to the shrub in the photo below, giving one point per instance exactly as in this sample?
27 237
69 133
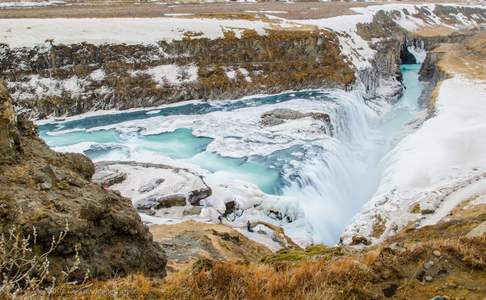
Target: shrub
24 269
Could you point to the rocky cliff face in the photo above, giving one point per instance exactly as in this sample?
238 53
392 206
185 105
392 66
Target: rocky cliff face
72 79
46 191
392 43
389 53
55 79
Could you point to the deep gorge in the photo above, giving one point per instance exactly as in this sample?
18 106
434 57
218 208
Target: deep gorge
322 180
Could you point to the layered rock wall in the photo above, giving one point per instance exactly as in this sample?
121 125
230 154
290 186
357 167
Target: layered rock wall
72 79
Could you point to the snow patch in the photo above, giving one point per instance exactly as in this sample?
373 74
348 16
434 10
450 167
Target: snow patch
172 74
97 75
42 87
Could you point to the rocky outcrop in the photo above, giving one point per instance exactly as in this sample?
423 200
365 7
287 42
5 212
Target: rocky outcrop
72 79
390 50
107 179
9 138
47 192
281 115
190 241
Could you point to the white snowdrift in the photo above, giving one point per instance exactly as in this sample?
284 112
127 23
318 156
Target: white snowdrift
31 32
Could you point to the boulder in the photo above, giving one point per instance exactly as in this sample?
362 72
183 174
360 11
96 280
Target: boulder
360 240
193 210
197 195
280 115
230 207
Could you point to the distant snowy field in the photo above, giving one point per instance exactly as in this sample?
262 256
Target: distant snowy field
31 32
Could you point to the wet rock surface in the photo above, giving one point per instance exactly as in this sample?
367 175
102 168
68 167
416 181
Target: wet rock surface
48 191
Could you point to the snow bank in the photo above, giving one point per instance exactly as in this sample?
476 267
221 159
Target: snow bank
453 140
30 32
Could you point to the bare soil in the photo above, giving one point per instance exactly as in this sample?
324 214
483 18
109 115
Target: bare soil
186 242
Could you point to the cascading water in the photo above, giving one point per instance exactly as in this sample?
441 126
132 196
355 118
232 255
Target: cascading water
323 179
333 186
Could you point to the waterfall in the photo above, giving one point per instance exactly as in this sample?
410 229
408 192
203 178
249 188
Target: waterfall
334 185
417 49
335 182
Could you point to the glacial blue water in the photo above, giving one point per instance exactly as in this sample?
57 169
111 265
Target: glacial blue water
181 144
331 185
185 109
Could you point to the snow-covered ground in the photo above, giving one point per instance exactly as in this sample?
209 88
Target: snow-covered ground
432 168
30 32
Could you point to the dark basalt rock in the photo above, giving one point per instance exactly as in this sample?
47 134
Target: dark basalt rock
405 56
108 179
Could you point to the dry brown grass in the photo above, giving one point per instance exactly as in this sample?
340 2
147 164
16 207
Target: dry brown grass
466 59
104 9
459 271
434 31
